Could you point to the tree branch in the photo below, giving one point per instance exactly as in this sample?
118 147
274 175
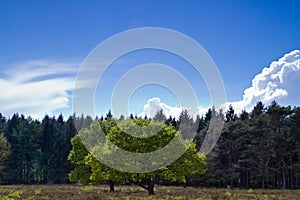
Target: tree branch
139 184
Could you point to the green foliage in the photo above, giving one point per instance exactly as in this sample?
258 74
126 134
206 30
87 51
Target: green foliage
13 194
259 149
88 188
38 150
78 151
37 191
80 174
190 163
4 151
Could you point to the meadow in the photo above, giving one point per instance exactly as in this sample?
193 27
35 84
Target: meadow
12 192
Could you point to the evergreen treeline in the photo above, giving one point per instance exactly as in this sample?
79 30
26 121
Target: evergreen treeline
38 150
259 149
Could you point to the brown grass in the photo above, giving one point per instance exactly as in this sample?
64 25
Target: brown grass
132 192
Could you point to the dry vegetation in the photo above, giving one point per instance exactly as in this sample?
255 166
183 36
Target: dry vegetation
126 192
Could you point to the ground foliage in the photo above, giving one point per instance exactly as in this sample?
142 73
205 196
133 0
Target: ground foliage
77 192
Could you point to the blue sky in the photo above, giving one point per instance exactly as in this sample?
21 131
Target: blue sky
52 38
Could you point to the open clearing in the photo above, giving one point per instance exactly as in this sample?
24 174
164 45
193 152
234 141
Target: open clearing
132 192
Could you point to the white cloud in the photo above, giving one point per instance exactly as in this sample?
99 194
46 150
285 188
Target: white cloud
280 82
36 87
154 105
201 111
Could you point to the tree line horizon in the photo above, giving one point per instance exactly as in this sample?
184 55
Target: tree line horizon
257 149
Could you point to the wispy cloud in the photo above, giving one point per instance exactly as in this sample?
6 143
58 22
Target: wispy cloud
37 87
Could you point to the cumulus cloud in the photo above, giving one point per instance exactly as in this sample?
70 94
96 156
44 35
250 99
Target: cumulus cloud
280 82
36 87
154 105
201 111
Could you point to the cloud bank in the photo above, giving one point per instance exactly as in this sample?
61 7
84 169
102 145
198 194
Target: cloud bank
36 87
280 82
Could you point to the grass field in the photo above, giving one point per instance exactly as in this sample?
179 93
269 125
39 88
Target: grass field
126 192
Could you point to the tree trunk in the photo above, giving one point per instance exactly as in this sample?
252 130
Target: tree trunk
247 179
150 187
111 186
292 171
267 173
283 179
283 174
